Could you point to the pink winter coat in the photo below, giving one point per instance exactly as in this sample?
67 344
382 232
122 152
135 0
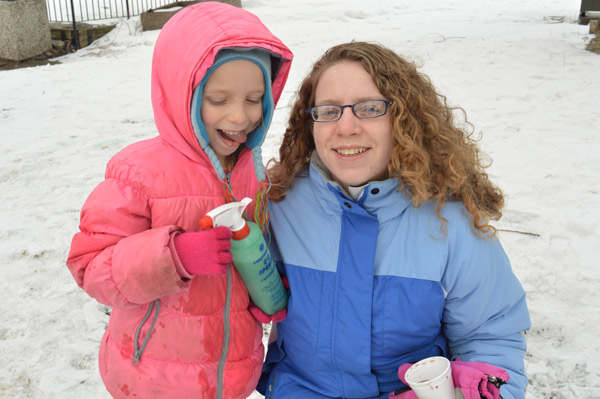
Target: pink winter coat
153 189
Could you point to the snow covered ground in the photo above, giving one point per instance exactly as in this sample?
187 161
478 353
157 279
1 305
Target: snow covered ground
520 70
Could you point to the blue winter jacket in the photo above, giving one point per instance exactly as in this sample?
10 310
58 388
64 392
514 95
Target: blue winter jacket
376 283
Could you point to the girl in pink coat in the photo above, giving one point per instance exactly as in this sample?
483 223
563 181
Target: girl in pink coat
180 325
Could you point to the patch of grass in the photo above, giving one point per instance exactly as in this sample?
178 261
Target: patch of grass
594 45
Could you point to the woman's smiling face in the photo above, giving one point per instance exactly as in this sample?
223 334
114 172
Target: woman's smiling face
356 151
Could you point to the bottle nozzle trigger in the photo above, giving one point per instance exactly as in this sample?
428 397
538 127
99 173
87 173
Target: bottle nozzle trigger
228 215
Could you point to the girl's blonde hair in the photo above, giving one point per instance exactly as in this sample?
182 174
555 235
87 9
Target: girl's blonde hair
433 159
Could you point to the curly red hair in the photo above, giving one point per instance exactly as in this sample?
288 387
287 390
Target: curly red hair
433 159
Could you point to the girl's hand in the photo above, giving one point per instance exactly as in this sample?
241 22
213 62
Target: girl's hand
204 252
265 318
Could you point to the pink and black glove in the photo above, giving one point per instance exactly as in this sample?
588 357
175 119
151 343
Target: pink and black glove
405 393
476 380
204 252
265 318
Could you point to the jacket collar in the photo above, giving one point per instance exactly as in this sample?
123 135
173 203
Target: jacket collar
379 198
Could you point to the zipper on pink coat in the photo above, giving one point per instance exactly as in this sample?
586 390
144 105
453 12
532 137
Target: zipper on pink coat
226 335
139 351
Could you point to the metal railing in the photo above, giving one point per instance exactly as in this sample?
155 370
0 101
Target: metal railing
73 11
95 10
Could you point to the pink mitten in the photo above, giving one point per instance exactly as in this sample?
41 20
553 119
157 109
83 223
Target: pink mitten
475 379
406 393
478 380
204 252
265 318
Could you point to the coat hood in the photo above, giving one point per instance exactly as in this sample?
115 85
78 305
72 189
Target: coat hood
185 51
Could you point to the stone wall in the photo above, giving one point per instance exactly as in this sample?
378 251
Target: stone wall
24 29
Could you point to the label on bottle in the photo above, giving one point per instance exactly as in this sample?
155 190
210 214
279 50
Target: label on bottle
253 261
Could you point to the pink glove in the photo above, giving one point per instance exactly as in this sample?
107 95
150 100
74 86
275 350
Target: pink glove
265 318
478 380
204 252
475 379
403 393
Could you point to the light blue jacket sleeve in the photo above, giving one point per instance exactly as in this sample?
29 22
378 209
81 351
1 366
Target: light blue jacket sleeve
485 314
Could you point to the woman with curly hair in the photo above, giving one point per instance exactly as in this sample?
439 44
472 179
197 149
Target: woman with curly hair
381 211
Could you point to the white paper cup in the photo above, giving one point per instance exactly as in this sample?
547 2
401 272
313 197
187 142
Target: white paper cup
431 378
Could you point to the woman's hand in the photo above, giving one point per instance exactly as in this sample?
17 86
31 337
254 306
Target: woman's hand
475 380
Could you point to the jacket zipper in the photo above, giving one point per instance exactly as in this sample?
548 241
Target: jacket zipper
138 351
226 335
226 310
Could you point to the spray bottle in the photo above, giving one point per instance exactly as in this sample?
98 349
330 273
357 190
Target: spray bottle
251 256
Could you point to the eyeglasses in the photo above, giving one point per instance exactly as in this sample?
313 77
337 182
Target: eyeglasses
364 110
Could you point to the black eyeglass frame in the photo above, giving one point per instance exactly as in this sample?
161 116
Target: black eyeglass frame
341 107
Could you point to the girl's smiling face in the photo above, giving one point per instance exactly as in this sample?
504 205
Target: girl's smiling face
232 105
356 151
